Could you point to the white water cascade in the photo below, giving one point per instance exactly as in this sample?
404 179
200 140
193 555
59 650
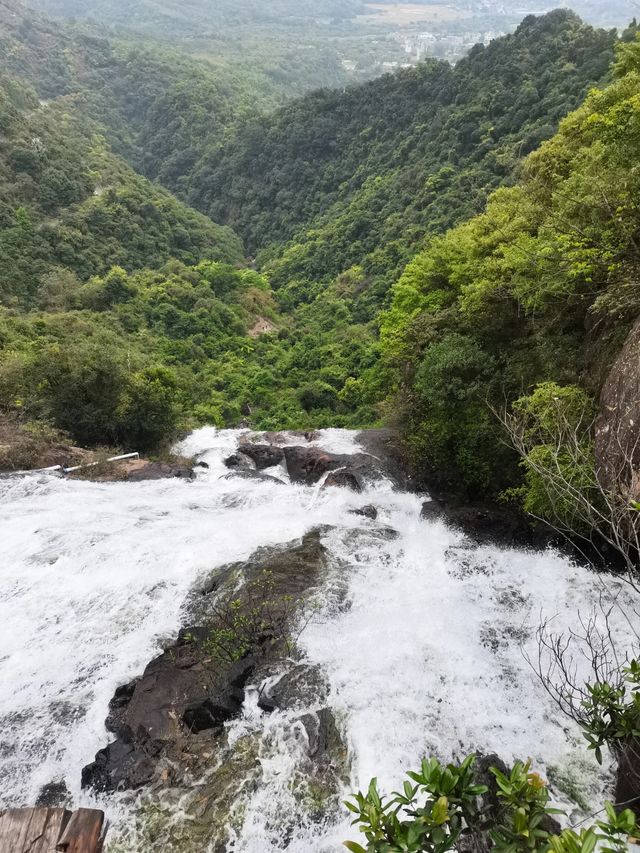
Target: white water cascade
426 657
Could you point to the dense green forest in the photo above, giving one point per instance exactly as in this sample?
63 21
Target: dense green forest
360 177
225 12
291 46
360 207
526 304
157 107
67 202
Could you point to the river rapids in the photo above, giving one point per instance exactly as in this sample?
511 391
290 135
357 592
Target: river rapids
426 652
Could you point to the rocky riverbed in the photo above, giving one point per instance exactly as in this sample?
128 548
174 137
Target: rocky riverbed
241 649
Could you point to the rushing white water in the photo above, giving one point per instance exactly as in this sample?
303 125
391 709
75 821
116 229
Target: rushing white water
426 658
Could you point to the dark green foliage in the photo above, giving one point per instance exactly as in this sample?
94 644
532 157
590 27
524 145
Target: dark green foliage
91 390
610 713
128 372
551 257
430 814
67 202
157 107
359 177
553 429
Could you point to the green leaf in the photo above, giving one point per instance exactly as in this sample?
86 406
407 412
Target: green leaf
354 847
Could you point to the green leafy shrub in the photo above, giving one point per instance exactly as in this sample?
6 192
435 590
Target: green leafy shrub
430 813
611 712
552 428
439 806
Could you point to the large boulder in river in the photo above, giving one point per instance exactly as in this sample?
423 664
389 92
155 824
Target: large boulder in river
187 693
309 464
487 523
239 462
617 443
345 479
160 471
385 447
263 455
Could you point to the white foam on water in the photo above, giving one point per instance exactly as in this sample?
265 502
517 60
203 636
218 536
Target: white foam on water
420 637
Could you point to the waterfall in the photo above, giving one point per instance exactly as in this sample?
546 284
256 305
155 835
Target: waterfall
422 637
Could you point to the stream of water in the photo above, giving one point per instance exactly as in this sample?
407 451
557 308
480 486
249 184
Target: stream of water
427 658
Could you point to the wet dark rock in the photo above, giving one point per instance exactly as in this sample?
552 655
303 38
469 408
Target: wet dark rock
121 698
54 795
309 464
187 693
487 523
202 464
344 479
384 446
192 634
252 474
239 461
267 704
117 767
323 734
209 714
368 511
263 455
432 510
161 471
299 686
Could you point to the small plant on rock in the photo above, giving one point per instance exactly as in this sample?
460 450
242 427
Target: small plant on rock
254 620
524 796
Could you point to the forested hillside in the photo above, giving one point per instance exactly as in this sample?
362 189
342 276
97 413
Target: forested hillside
519 313
67 201
224 12
289 46
89 343
159 108
336 192
359 177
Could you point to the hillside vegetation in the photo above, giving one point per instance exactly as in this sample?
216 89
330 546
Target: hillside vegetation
157 107
289 46
360 177
526 304
67 202
105 274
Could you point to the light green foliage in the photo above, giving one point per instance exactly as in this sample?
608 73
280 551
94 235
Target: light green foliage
337 190
611 713
430 813
439 806
68 204
553 429
525 799
257 621
610 836
548 258
357 177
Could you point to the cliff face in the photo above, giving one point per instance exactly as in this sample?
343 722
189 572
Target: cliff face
617 446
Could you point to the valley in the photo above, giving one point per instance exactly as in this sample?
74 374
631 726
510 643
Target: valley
377 344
